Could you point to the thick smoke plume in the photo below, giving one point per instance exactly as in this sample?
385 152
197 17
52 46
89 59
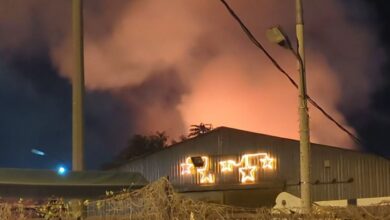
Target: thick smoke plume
177 63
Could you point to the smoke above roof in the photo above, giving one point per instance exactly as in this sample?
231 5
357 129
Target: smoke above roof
175 63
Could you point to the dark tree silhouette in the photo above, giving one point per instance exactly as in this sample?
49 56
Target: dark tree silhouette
138 145
196 130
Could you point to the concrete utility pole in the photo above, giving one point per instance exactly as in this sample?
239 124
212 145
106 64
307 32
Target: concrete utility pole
303 115
78 87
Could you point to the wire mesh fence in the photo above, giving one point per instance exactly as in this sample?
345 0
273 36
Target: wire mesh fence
159 201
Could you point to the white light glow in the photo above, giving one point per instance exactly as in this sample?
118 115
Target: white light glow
227 165
246 169
205 176
38 152
204 171
61 170
247 173
187 167
246 166
267 162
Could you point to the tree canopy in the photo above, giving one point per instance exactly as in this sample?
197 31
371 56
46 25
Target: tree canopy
139 145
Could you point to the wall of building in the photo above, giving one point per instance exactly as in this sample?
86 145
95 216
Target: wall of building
336 173
244 197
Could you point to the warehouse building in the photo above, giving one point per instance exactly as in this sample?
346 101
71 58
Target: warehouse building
243 168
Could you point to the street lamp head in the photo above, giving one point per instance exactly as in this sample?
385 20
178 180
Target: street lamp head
61 170
37 152
276 35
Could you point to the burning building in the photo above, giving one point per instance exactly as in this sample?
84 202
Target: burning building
243 168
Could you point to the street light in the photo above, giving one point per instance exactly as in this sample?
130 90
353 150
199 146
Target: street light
61 169
276 35
38 152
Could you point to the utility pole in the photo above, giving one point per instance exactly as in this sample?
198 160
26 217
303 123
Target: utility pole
78 87
304 131
276 35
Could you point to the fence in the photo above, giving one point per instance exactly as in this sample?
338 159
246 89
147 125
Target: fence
158 201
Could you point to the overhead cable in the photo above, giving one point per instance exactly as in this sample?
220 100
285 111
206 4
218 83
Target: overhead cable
253 39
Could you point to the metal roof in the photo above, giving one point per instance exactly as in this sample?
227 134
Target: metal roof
11 176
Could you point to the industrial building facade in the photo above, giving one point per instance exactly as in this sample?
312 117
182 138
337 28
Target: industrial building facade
234 166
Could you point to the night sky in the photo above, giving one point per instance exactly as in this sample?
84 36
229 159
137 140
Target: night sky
374 126
35 98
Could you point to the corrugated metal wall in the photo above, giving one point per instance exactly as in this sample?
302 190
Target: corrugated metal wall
336 173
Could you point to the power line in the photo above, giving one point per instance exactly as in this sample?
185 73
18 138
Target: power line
253 39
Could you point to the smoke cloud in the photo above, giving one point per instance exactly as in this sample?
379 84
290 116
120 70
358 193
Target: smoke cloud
230 83
176 63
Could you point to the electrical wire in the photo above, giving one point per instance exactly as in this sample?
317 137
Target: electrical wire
253 39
